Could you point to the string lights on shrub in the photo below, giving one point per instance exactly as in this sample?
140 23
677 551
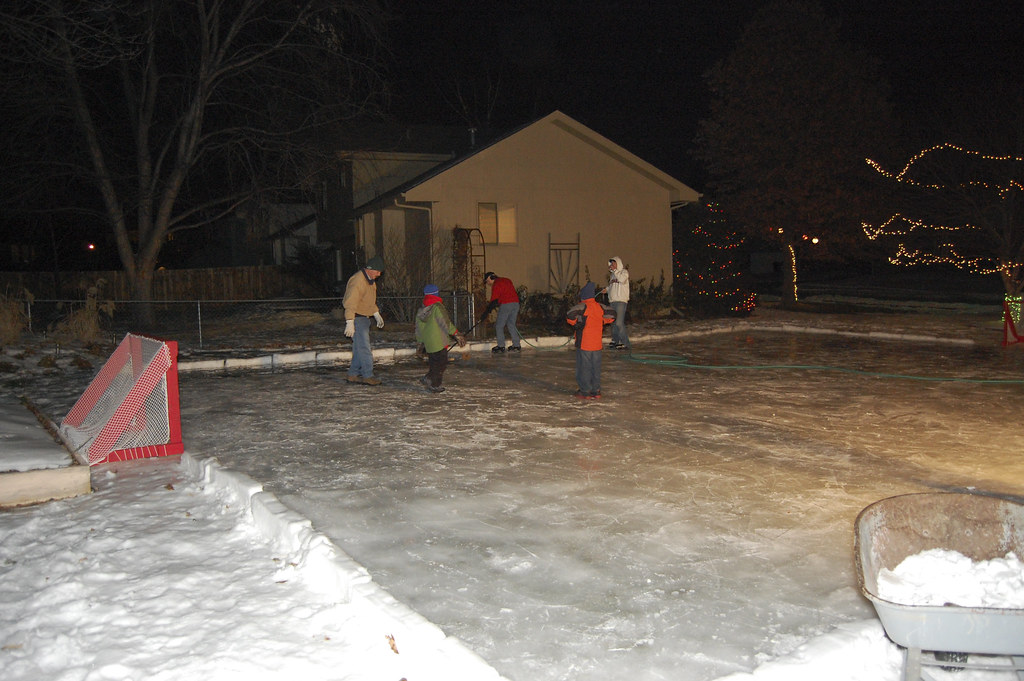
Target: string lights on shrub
1014 303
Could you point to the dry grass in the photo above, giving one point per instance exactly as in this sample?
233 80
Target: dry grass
84 324
13 320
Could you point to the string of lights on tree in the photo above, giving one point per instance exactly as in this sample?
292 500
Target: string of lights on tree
900 225
902 175
792 257
707 265
947 255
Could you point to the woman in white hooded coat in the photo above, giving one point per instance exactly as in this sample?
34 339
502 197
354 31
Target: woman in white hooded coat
618 298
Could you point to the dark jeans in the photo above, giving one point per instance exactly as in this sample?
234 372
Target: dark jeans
437 362
588 371
362 354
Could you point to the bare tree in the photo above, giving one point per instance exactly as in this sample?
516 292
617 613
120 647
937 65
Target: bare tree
177 111
489 80
958 207
960 204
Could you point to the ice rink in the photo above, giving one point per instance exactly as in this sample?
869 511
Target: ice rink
696 521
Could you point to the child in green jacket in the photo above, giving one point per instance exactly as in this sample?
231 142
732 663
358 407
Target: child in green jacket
434 329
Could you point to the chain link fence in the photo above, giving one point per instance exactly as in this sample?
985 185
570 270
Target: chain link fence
199 325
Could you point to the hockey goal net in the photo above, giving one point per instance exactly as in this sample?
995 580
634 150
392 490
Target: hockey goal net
130 409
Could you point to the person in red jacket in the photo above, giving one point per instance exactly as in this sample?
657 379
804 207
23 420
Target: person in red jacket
588 319
506 300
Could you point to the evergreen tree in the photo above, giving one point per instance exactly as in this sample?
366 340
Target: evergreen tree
794 111
708 258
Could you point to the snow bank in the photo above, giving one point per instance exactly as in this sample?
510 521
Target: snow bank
857 651
319 563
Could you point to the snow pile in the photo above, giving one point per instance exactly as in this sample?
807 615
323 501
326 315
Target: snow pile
947 577
188 571
855 651
24 443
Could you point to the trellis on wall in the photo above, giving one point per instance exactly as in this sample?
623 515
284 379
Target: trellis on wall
563 264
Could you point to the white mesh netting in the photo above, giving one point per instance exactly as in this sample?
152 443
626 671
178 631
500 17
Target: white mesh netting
125 406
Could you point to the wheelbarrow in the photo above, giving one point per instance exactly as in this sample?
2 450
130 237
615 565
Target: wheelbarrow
981 528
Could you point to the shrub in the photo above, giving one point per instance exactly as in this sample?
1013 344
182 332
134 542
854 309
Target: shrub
647 300
313 267
13 320
84 323
710 262
546 310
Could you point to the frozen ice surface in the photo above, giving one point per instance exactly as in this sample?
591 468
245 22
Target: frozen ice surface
693 523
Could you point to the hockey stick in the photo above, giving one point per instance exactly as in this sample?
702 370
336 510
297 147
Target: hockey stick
465 333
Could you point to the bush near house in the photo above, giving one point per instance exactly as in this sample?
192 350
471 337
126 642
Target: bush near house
648 299
547 311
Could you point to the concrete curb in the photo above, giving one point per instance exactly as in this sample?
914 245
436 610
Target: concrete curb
387 355
392 354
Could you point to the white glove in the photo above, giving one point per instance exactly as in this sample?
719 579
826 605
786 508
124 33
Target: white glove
380 320
350 328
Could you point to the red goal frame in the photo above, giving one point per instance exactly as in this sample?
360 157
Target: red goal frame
1010 333
129 415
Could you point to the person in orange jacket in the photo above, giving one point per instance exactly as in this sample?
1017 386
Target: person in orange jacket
588 319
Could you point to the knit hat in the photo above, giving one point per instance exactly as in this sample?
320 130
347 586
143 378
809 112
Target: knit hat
430 290
375 263
588 291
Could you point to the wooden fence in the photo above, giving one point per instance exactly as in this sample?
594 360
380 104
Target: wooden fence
214 283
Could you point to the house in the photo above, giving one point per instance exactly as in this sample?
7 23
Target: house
292 227
545 205
374 157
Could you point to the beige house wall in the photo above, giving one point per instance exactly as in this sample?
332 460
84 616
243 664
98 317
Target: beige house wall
563 180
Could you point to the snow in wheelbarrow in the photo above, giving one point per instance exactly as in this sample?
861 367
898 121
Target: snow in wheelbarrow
979 527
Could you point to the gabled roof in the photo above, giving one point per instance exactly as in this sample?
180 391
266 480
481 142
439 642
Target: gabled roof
679 192
292 227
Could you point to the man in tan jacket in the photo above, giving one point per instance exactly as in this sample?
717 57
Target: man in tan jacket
360 304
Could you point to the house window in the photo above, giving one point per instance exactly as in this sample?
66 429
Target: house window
498 223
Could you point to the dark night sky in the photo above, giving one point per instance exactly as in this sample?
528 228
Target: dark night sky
632 70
